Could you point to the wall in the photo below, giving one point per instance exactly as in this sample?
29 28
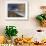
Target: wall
27 27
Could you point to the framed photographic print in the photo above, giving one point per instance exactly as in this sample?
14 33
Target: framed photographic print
16 10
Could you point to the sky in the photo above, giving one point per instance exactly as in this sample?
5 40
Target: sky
12 6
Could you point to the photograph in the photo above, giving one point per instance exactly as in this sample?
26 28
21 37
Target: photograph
16 10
